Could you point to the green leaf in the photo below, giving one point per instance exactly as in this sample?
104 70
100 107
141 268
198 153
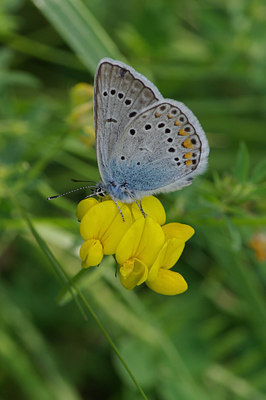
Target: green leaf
242 164
82 279
259 172
78 27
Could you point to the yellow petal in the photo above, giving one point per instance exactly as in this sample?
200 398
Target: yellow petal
104 222
167 257
116 229
133 272
128 245
174 249
152 207
153 270
179 231
143 241
84 206
91 253
168 283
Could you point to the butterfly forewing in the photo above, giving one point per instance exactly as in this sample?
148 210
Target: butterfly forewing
120 94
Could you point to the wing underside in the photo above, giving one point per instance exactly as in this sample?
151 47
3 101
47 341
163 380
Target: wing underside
161 149
120 93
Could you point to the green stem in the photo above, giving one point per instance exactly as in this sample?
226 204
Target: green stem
78 297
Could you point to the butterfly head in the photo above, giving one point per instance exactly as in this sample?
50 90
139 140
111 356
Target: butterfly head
100 190
117 191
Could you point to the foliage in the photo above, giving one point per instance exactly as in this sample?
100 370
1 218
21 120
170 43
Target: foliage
205 344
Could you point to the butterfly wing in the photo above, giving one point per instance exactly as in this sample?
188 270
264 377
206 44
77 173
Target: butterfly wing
120 93
161 150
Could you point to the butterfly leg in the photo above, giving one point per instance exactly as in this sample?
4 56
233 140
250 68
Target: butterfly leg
119 209
141 209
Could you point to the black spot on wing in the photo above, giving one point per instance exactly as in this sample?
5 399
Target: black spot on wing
122 72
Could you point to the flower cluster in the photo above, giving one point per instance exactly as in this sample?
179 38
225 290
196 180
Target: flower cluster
144 247
81 116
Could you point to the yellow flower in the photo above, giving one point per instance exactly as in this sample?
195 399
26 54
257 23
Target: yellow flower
84 206
144 250
160 279
102 228
138 250
81 93
81 116
152 207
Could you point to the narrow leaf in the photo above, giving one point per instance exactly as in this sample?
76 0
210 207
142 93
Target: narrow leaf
242 164
78 27
259 172
78 297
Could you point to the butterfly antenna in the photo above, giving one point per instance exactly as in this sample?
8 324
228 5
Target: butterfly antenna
90 195
79 180
71 191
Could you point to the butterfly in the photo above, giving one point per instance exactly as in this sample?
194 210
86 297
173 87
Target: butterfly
145 144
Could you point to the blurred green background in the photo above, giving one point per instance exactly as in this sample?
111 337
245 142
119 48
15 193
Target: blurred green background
208 343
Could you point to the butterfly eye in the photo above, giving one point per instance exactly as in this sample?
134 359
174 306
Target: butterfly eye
100 192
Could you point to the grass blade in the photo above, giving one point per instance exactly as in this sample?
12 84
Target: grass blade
78 297
242 164
78 27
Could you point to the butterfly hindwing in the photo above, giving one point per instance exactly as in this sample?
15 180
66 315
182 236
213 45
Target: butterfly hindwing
160 150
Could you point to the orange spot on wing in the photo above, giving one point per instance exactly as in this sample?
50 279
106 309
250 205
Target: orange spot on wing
182 132
169 116
187 143
177 123
157 115
188 155
188 162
